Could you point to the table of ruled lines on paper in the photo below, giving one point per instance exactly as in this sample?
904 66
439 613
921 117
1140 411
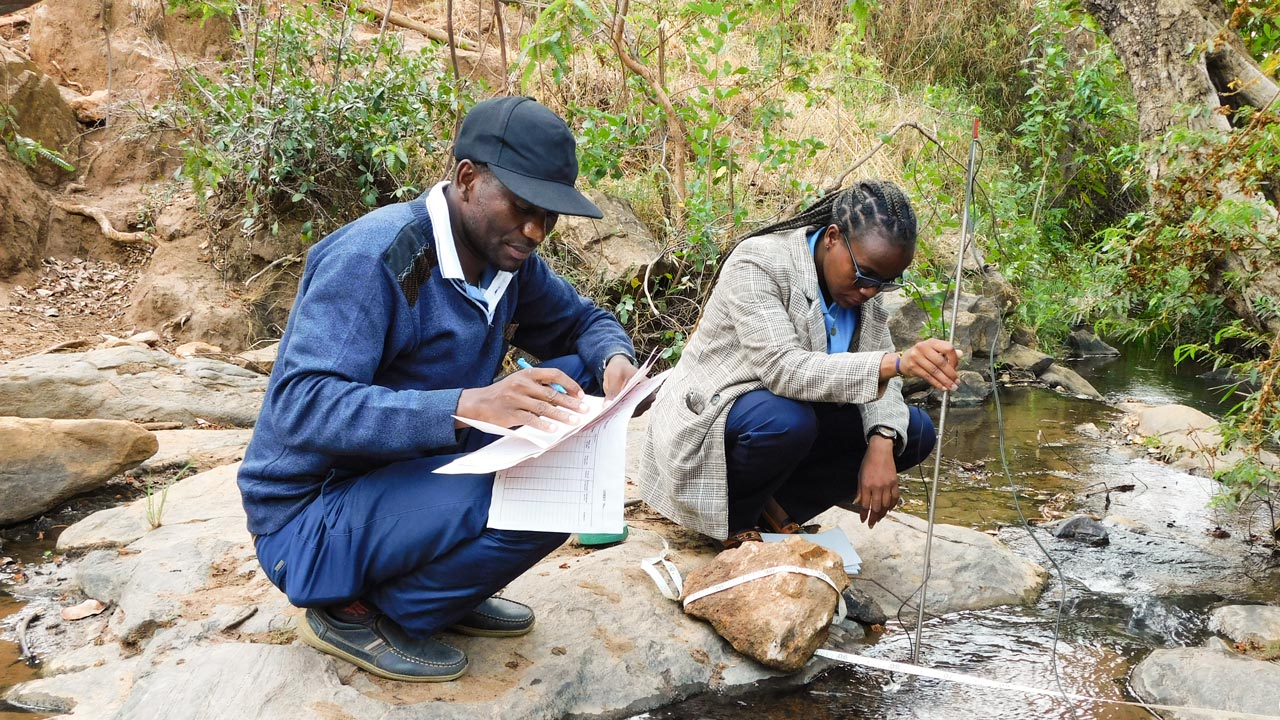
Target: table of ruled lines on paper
562 490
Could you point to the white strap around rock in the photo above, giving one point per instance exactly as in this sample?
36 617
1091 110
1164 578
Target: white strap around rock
650 565
766 572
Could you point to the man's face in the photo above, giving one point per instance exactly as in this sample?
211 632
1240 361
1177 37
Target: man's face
496 225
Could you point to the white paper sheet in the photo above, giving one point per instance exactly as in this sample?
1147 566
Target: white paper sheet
572 480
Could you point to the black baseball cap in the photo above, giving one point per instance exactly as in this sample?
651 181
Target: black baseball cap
531 151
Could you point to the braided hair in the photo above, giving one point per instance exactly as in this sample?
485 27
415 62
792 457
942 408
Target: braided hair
869 203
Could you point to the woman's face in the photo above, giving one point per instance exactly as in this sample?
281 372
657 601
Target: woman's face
855 269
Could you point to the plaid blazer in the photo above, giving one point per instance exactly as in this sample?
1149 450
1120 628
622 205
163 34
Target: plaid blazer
761 328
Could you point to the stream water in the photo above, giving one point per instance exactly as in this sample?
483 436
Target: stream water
1137 594
1144 591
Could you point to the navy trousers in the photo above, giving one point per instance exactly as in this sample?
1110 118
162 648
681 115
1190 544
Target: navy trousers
804 455
413 543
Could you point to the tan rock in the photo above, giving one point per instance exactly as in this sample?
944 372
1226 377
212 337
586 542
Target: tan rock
46 461
196 348
778 620
92 108
24 218
39 110
261 360
614 247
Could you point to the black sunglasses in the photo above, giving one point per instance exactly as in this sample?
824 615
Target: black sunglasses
865 282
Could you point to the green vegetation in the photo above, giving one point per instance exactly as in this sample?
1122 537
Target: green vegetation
314 123
714 117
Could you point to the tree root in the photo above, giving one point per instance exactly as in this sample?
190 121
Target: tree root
404 21
127 238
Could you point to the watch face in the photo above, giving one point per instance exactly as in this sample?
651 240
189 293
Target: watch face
887 432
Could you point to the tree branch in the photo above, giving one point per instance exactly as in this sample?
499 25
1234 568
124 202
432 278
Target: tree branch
675 124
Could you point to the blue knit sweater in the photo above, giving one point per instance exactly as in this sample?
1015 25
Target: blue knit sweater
378 349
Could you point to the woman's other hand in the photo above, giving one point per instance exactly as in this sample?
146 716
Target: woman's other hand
935 361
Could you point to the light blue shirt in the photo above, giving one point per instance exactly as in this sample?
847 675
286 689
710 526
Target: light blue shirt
841 322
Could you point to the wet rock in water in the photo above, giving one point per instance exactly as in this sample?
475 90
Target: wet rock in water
1085 529
1208 678
1058 376
780 619
1024 358
1089 430
861 606
1085 343
974 390
47 461
1257 625
130 383
970 570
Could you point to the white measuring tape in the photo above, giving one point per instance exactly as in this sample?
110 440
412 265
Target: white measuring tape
651 565
964 679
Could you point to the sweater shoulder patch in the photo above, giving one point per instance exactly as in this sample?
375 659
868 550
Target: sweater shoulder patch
410 258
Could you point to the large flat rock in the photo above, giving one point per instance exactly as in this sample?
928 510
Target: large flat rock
131 383
200 498
201 449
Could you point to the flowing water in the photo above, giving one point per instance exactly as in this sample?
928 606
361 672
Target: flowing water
1148 589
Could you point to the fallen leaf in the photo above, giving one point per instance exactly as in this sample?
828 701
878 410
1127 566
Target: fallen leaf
564 566
557 650
88 608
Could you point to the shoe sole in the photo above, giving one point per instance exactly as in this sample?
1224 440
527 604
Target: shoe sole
308 636
482 632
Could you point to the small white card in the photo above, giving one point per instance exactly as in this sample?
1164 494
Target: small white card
834 540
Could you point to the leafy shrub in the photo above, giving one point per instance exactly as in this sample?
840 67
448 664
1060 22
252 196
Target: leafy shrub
314 120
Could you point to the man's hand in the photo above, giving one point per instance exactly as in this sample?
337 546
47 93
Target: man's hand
524 397
616 374
877 481
936 361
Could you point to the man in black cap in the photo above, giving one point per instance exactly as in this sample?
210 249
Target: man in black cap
401 322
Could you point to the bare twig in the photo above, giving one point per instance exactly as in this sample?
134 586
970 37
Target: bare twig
502 43
278 262
453 45
104 223
675 125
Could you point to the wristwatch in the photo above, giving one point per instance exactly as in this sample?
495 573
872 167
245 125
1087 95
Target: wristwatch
885 431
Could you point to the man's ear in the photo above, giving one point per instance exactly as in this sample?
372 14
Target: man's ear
464 178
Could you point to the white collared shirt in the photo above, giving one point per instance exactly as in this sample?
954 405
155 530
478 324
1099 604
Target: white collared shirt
486 296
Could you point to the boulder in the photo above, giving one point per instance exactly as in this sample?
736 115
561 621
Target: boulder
1084 343
201 449
1257 625
1024 358
970 570
1059 376
47 461
39 110
130 383
614 248
24 218
1207 678
779 620
1083 528
90 109
977 327
1178 427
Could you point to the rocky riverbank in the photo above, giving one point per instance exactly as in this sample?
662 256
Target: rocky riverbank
192 628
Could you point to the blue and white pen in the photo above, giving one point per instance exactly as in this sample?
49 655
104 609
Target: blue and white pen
524 365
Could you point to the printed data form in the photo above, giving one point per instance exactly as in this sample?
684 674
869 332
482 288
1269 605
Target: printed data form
575 486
